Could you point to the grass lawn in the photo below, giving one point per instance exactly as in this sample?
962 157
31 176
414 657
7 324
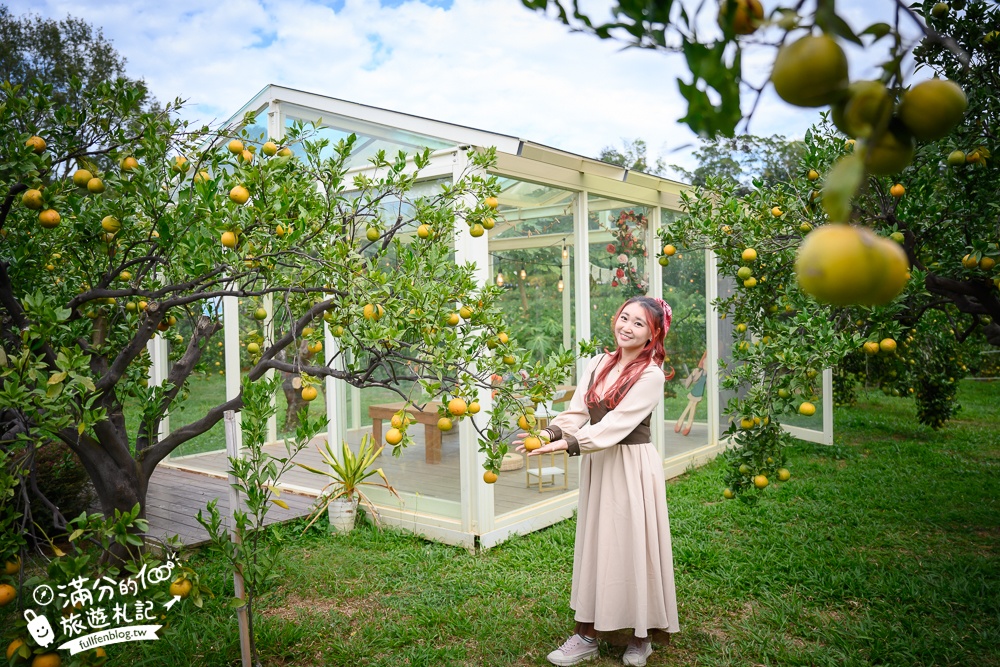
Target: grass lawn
883 549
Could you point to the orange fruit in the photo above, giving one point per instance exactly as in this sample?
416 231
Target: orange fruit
747 15
7 594
36 143
181 587
760 481
110 224
931 109
865 110
812 175
784 475
477 230
32 199
491 202
81 177
12 566
531 443
309 393
465 312
453 319
394 436
49 218
897 190
269 148
490 477
887 345
239 194
285 151
749 255
253 348
526 421
728 494
13 646
956 158
444 424
891 152
180 165
807 409
129 163
474 408
424 231
750 282
260 314
871 348
776 211
669 250
373 311
235 146
746 423
95 186
229 239
810 72
895 273
987 263
839 264
46 660
457 407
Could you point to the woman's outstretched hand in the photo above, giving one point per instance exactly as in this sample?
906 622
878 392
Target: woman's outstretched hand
546 448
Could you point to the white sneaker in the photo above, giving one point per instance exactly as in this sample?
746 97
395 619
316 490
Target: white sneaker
576 649
636 654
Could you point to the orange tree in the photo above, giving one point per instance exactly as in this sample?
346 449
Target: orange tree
93 265
910 169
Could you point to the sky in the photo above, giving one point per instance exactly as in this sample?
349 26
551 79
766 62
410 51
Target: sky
488 64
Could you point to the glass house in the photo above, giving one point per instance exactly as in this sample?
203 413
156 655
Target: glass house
568 240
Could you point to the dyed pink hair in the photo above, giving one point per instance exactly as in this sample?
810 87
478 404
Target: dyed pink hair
658 316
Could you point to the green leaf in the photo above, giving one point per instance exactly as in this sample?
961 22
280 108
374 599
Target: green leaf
841 184
57 377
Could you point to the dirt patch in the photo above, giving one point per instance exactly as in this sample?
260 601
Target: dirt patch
295 605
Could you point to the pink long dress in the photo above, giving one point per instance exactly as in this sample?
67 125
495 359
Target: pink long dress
623 571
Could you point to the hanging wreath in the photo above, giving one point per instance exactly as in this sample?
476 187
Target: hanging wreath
628 252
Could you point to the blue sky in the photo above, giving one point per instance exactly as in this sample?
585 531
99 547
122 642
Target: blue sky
489 64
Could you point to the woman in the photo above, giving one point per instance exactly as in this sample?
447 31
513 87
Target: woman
623 575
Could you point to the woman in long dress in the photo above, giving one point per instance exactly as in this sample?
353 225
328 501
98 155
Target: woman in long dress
623 575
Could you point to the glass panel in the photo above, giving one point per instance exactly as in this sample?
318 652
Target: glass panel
371 137
726 286
686 404
531 247
617 260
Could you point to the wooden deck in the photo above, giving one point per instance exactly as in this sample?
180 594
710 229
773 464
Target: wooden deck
177 492
175 496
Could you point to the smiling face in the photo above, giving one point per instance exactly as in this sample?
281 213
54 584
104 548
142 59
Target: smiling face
632 330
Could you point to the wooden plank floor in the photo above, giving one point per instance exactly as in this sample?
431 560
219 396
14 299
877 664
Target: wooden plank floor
176 495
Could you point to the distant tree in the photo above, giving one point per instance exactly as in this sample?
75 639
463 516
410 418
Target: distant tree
745 159
56 52
632 156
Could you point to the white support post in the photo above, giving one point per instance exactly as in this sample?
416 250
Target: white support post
581 241
272 421
233 451
231 336
712 361
655 289
827 406
567 300
336 392
156 347
477 497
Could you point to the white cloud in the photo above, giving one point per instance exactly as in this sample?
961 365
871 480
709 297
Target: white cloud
489 64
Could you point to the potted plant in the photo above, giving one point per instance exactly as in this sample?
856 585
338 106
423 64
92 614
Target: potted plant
348 472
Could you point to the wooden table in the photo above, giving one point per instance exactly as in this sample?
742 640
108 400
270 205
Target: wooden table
428 416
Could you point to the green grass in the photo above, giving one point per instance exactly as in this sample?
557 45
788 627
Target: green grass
881 550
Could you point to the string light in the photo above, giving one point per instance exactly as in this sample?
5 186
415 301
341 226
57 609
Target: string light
499 279
565 254
524 274
559 285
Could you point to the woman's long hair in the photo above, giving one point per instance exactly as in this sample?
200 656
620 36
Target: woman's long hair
658 317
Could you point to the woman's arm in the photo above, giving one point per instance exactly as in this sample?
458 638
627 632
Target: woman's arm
618 423
577 414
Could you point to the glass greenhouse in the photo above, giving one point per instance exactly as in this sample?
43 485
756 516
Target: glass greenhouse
572 235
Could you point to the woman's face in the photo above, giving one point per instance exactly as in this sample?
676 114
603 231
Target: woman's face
632 331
